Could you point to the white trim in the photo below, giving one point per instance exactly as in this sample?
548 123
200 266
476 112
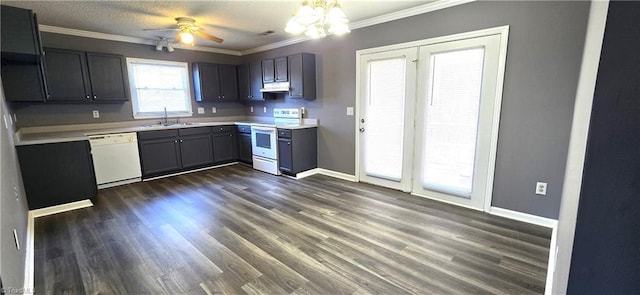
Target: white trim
445 201
61 208
307 173
429 7
553 258
524 217
119 183
120 38
190 171
29 256
577 145
336 174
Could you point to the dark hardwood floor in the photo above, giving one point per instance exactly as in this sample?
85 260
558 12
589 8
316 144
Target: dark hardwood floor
234 230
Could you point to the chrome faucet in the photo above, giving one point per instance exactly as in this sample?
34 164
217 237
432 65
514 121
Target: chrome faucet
166 118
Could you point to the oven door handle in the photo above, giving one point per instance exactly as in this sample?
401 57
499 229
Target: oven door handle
270 130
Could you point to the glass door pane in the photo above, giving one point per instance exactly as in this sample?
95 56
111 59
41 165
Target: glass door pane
385 116
451 121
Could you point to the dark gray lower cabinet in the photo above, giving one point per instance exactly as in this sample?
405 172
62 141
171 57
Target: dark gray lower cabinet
57 173
297 150
159 152
225 145
245 149
196 147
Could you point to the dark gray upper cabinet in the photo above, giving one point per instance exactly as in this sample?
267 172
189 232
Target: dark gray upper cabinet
57 173
302 76
108 77
297 150
275 70
250 82
224 144
80 76
23 82
215 82
20 35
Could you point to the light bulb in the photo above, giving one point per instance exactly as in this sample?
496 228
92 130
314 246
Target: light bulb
336 16
294 27
306 15
186 37
339 29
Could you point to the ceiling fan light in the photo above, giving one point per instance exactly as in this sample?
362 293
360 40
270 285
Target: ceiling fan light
339 29
159 45
186 37
169 47
294 27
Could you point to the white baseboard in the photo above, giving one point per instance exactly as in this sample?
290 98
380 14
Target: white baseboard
336 174
60 208
190 171
445 201
29 256
307 173
524 217
118 183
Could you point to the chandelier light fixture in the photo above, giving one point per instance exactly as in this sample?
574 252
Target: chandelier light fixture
314 15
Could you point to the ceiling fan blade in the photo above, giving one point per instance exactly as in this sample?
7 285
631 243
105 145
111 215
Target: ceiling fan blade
174 29
208 37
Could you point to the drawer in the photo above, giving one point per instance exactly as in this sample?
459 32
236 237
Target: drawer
157 134
225 128
244 129
194 131
284 133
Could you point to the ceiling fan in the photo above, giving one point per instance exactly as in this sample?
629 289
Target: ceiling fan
187 30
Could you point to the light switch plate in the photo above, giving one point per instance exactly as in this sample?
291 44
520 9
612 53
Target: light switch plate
214 110
96 114
264 109
251 109
200 110
349 111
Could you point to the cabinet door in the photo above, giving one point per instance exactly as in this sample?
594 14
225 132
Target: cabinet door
282 73
246 152
206 80
302 76
20 38
23 82
223 147
228 82
57 173
66 75
244 82
108 77
255 79
196 150
285 154
159 156
268 71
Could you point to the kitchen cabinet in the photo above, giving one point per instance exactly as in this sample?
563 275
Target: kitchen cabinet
196 148
297 150
250 82
245 149
159 152
80 76
275 70
302 76
225 145
215 82
57 173
20 35
23 82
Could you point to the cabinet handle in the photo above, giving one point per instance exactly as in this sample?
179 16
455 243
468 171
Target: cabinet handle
175 141
288 143
181 140
223 96
94 97
87 97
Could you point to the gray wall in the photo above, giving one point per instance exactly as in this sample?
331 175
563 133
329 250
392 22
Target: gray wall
545 48
13 211
37 114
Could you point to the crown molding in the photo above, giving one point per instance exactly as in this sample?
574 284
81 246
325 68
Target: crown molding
429 7
120 38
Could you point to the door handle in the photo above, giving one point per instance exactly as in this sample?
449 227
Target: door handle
361 130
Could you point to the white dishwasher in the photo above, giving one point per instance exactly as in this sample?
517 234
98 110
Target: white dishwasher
115 159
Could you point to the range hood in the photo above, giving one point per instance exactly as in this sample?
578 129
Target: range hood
276 87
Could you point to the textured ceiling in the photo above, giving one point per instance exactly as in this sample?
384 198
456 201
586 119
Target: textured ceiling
239 23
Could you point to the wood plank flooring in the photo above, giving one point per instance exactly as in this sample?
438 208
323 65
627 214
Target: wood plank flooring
234 230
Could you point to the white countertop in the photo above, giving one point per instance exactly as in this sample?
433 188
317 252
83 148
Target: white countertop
53 134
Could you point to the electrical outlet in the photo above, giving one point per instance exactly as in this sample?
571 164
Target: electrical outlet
200 110
349 111
96 114
541 188
15 191
264 109
15 239
251 109
15 118
214 110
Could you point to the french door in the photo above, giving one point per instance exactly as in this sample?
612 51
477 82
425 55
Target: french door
428 125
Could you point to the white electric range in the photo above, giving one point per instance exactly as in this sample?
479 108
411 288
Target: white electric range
264 139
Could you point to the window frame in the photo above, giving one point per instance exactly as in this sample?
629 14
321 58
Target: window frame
137 114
